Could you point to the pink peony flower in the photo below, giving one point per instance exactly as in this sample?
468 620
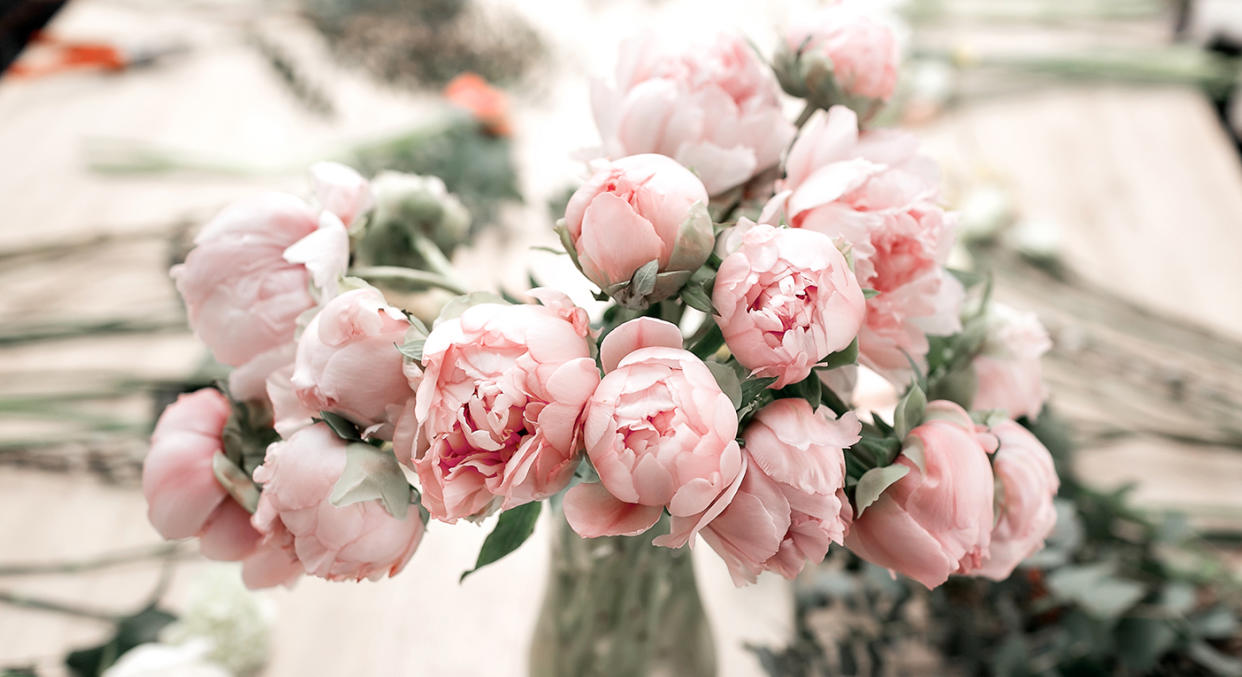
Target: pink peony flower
786 300
791 503
499 407
1027 482
874 193
351 542
184 499
250 273
635 210
348 363
840 54
341 191
1007 371
713 107
660 433
937 520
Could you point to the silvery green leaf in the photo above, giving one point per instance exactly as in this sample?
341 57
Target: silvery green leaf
1096 589
913 450
235 481
870 293
512 529
644 280
453 309
340 425
562 231
1218 663
841 358
728 381
873 483
413 348
696 297
372 474
909 412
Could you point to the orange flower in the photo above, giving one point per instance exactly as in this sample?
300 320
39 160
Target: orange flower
489 105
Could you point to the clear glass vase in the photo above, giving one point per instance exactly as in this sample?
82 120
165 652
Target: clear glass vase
622 607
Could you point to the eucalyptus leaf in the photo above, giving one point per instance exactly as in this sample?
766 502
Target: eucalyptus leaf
1096 589
873 483
371 474
870 293
512 529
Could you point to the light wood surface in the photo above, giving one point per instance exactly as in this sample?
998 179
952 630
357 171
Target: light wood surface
1146 190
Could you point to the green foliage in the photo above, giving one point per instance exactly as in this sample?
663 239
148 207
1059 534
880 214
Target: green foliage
140 628
512 529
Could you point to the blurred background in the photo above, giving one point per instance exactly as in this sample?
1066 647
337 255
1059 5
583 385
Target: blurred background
1092 147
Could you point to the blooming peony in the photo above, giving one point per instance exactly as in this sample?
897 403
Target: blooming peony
348 363
842 54
786 300
1007 371
660 433
635 210
350 542
937 520
499 407
185 499
249 276
791 503
1027 483
714 107
875 193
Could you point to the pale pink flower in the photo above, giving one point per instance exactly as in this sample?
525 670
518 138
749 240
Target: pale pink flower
1008 371
937 519
791 503
786 299
350 542
660 433
184 499
843 50
256 266
635 210
713 106
499 408
348 363
1026 484
876 194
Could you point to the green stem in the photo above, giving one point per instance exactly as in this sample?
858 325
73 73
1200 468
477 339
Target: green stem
435 259
57 331
807 111
420 277
23 601
102 561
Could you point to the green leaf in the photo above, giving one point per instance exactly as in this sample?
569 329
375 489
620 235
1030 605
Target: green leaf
562 231
1218 663
550 250
1219 622
966 277
140 628
1141 642
644 280
909 413
372 474
810 389
1094 588
728 381
235 481
841 358
512 529
453 309
752 388
873 483
696 297
340 425
413 348
870 293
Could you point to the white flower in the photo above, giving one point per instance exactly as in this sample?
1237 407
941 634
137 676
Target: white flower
232 621
163 660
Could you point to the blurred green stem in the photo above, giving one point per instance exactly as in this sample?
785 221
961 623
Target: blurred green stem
419 277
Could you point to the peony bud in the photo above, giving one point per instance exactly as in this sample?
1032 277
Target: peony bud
639 228
408 206
842 55
1026 484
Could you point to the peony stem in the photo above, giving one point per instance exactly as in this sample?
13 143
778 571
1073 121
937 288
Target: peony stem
102 561
420 277
19 600
707 346
807 111
435 259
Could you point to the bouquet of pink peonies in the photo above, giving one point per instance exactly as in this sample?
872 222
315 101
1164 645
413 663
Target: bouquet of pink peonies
784 363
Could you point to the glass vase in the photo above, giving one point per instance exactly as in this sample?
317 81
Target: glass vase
622 607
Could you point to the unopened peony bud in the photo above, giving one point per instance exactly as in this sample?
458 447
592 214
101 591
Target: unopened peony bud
639 228
408 206
842 55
